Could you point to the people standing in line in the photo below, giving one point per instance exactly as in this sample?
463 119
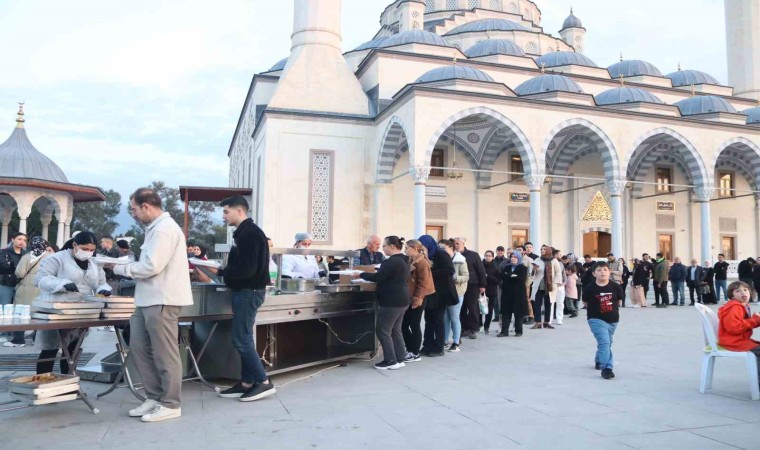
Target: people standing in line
26 290
649 265
445 295
626 277
420 287
452 323
501 257
744 271
493 279
721 277
616 269
677 276
527 261
393 299
695 280
247 275
10 257
513 293
370 254
558 303
547 278
602 300
661 282
736 322
708 295
301 266
66 272
579 272
470 315
528 247
638 284
571 290
588 271
107 247
124 250
162 288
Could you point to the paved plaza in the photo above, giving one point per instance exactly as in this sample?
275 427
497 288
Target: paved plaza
539 391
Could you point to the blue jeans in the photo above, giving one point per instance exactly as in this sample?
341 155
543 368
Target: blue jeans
245 304
603 333
451 321
678 291
6 298
721 285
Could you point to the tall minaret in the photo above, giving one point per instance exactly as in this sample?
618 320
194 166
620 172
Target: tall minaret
743 42
573 33
317 77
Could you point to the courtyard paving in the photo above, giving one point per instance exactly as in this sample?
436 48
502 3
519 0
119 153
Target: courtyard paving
539 391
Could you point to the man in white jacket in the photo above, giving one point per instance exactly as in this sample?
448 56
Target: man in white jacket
162 289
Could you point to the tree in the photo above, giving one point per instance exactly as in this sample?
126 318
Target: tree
98 217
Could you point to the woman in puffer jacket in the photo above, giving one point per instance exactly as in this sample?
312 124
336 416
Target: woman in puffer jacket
461 276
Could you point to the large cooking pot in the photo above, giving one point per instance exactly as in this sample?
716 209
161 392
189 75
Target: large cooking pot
299 284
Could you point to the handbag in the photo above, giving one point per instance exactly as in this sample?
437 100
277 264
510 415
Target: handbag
483 302
704 289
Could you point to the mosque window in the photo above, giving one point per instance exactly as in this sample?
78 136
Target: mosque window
516 166
725 184
472 4
495 5
438 160
532 48
429 6
664 179
451 4
321 184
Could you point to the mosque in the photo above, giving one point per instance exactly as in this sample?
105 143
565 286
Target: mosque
467 118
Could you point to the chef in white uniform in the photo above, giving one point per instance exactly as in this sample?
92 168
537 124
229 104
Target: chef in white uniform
299 266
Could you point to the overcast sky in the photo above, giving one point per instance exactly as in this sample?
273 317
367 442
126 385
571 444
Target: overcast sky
123 93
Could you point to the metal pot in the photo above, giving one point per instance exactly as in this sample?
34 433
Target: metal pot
298 284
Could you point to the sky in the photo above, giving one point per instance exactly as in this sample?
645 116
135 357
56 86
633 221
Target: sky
123 93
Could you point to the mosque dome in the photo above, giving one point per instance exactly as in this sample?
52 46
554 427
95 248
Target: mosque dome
632 68
494 47
548 83
572 21
556 59
488 25
689 77
413 37
19 158
279 66
703 104
374 43
753 115
454 72
626 95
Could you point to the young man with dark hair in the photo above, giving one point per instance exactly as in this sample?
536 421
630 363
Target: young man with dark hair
721 277
602 300
247 274
649 267
470 313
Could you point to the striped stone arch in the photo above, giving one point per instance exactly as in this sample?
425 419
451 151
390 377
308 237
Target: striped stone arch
664 143
570 141
741 155
393 145
508 136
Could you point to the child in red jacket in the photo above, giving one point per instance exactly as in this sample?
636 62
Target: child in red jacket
737 321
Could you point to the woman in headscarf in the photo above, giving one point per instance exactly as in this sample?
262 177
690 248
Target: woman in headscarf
513 275
435 305
27 267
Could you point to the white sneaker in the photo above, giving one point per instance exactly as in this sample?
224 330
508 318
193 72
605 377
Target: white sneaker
147 406
11 344
162 413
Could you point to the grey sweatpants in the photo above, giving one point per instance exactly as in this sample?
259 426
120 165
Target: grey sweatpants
389 333
154 346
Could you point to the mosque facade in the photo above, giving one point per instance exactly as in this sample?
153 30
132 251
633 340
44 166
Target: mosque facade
466 118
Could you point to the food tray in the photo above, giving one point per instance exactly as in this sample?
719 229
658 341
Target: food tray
117 310
66 311
45 316
116 315
111 299
44 401
46 380
120 306
68 305
44 392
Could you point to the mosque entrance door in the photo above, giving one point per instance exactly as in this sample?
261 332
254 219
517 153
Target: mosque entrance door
597 244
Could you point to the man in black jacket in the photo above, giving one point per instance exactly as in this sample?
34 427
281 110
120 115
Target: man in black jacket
721 276
695 277
247 274
470 314
370 255
745 274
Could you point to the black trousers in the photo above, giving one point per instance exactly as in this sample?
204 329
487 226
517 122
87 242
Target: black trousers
692 288
661 293
434 330
510 309
492 302
470 313
542 299
412 330
624 285
47 366
646 289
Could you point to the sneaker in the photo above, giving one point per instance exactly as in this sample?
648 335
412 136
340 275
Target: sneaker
454 348
411 357
147 406
598 366
446 346
259 391
608 374
235 391
11 344
385 365
162 413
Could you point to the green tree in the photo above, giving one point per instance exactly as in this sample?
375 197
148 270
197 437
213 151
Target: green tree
98 217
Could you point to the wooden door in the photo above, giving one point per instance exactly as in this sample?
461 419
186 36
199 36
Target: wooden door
436 231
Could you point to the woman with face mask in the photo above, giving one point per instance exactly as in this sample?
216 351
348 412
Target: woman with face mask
60 276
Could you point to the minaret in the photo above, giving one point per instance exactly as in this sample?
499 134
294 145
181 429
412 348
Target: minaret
573 33
317 77
743 42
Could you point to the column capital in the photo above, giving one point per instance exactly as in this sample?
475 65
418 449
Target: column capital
703 194
534 182
419 174
616 187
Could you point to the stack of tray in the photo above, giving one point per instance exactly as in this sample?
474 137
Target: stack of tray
67 310
44 389
118 307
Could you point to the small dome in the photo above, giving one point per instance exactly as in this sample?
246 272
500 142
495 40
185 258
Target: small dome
19 159
626 95
572 21
703 104
374 43
494 47
689 77
548 83
488 25
632 68
556 59
413 37
454 72
753 115
279 66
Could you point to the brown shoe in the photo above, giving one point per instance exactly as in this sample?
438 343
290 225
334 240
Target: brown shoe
536 326
546 325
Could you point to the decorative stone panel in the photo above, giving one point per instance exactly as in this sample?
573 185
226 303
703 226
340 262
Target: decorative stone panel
321 180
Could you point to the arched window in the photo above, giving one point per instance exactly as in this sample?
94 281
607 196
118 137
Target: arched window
429 6
472 4
451 4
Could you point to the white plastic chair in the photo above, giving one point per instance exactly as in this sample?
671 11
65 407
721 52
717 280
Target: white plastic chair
712 350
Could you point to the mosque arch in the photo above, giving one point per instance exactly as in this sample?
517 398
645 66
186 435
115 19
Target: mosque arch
394 144
740 155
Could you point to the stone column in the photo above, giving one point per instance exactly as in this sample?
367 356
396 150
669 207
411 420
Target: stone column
703 196
60 238
46 225
534 183
6 223
66 231
420 175
616 189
